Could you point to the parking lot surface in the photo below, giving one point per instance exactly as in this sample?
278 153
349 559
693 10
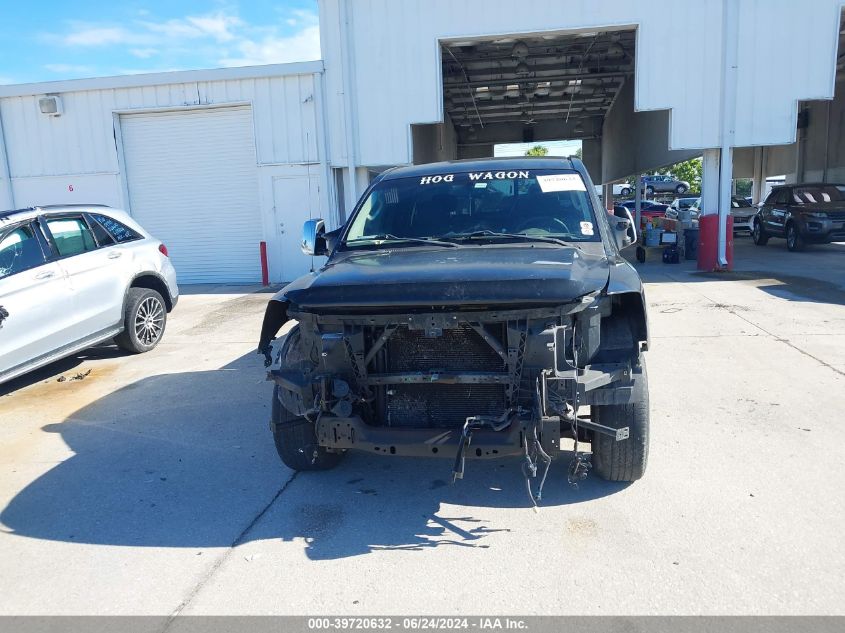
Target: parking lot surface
151 485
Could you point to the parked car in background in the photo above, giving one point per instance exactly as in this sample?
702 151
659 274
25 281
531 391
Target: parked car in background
810 213
75 276
678 205
648 208
619 189
644 204
653 184
741 211
743 214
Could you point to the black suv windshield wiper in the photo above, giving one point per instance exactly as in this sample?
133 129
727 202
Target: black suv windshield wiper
388 238
485 234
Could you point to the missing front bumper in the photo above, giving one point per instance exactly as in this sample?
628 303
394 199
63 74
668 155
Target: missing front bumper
353 433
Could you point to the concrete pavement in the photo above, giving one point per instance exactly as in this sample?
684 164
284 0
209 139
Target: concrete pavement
151 486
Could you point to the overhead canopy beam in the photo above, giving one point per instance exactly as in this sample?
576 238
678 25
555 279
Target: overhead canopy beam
458 82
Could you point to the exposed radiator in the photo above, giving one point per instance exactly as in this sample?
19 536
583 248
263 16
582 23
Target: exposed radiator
440 405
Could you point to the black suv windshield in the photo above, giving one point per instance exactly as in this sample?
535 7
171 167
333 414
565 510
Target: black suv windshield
514 204
818 193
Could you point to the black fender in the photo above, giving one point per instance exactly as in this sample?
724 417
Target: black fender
275 316
625 289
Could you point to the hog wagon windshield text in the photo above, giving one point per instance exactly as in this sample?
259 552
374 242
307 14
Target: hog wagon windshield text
453 207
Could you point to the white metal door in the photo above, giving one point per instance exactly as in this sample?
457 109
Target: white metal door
295 199
193 183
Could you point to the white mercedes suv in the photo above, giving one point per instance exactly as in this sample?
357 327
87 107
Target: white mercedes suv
74 276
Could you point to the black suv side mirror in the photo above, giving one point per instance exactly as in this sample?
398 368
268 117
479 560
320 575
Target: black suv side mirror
314 238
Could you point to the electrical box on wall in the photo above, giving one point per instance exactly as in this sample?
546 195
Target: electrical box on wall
51 105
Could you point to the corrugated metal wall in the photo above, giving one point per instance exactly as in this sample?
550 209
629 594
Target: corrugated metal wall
81 141
74 158
395 62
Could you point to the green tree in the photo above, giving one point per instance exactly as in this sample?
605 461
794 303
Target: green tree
579 153
743 187
537 150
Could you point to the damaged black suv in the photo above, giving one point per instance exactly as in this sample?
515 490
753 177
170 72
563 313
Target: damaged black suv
469 309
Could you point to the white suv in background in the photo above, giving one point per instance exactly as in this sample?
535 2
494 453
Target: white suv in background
75 276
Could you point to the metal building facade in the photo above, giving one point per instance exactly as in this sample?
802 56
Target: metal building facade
702 82
382 63
79 156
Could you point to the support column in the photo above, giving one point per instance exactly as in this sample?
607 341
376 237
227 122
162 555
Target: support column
757 179
725 179
710 182
607 196
715 241
800 150
730 55
638 199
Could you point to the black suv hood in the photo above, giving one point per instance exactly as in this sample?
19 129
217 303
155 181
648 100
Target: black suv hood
502 275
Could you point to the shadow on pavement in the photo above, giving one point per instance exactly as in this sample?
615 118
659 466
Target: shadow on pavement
378 503
187 460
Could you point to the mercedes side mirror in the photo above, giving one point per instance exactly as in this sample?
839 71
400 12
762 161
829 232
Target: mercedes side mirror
314 238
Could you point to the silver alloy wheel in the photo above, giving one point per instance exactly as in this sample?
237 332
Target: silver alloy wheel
149 321
791 236
756 232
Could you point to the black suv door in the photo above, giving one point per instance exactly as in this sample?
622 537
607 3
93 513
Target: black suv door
779 212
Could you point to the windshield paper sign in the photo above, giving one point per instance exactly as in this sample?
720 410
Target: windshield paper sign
561 182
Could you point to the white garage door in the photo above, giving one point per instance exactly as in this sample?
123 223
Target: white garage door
193 184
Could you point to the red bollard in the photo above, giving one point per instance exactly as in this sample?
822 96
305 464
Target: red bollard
708 243
265 273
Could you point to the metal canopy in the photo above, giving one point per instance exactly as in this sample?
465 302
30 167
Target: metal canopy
524 80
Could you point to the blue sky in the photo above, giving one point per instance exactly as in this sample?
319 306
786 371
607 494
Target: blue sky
52 39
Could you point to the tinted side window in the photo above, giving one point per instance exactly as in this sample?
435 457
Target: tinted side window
782 197
71 236
119 231
102 236
19 251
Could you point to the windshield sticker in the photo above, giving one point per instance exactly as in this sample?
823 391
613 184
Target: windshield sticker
433 180
391 196
560 182
586 228
497 175
481 185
